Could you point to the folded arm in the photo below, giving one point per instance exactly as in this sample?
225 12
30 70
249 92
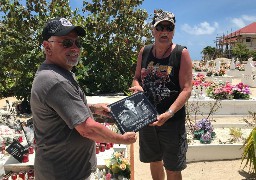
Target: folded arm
136 87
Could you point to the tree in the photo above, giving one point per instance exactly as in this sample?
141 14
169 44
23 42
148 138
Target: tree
20 50
209 53
240 51
114 34
253 54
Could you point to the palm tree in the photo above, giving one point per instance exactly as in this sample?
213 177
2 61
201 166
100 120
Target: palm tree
208 53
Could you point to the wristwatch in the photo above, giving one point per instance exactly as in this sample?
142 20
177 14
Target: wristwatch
170 111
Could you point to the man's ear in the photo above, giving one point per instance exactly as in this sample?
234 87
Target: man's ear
47 48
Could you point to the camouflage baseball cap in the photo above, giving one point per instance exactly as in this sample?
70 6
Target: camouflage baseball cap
160 15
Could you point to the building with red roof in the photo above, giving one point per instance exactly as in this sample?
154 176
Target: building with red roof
245 35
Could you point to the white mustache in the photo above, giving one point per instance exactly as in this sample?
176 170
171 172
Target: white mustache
73 54
163 35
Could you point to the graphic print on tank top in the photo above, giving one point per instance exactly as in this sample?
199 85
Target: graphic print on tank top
156 82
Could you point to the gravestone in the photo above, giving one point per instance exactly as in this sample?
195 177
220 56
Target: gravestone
249 76
232 64
217 67
235 73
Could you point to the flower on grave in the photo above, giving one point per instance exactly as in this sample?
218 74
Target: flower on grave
220 91
209 73
203 131
241 91
199 80
240 67
119 165
228 91
199 84
221 72
206 138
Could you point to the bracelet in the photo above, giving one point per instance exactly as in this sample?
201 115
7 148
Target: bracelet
170 111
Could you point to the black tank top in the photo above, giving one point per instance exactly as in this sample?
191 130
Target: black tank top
160 79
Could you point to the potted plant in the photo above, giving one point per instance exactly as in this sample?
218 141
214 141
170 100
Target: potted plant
250 151
203 131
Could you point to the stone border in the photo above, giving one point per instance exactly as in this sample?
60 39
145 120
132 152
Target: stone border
214 152
211 152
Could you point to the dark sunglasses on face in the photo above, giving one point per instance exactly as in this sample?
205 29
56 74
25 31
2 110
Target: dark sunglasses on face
67 43
161 27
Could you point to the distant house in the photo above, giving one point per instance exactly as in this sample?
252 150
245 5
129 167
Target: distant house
245 35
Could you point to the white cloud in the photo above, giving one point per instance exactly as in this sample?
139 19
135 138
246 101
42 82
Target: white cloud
203 28
249 18
238 22
243 20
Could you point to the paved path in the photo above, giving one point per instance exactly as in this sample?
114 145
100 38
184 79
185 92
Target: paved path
211 170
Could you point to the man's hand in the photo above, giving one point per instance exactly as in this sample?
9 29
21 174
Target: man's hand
135 89
129 138
101 109
161 119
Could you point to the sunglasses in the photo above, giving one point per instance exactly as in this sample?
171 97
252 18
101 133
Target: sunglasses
67 43
161 27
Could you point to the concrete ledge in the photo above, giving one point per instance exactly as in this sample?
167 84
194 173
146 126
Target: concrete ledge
210 152
103 99
215 152
225 78
228 107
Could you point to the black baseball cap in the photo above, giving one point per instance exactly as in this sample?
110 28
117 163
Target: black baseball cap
60 27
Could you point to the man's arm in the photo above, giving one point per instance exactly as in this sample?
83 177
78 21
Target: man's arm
185 80
98 132
136 87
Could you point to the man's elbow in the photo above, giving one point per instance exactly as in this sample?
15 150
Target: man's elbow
87 134
86 129
189 94
187 91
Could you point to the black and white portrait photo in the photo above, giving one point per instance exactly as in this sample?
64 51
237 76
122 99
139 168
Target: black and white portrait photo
133 113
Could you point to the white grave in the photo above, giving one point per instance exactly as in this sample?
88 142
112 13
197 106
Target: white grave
232 64
235 73
249 76
217 67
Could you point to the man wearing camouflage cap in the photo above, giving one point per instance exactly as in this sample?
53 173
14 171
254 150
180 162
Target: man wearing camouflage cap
164 73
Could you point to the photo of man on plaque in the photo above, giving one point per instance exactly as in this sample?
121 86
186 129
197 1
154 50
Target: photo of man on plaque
133 113
130 113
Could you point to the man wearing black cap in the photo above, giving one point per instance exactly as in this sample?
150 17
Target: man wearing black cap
164 73
65 131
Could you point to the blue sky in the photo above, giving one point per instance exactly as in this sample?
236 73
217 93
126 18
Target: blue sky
199 22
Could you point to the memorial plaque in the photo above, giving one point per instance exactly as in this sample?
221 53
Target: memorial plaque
17 150
133 113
